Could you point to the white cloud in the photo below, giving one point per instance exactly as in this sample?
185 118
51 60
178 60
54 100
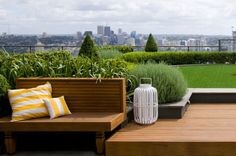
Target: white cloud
162 16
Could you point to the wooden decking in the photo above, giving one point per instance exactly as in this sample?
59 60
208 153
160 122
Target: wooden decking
205 130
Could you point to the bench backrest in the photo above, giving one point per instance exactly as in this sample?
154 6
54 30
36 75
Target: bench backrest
84 95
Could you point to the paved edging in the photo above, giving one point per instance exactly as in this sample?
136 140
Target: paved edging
213 95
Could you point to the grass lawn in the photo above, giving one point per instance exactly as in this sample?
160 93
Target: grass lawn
210 76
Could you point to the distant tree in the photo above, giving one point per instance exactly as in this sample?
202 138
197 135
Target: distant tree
151 45
87 48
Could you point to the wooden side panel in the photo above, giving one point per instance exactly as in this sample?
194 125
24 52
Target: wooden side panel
170 148
84 95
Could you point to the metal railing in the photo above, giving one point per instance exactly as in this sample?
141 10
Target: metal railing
32 48
183 48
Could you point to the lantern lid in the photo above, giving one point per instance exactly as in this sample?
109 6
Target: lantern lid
145 85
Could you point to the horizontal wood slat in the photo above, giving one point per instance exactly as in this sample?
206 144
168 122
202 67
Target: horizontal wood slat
82 121
110 86
87 93
84 94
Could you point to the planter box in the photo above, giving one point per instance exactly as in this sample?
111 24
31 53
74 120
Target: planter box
174 110
196 95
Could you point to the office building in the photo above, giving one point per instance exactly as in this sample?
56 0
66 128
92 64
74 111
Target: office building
107 31
120 39
183 43
234 40
119 31
79 35
100 30
133 34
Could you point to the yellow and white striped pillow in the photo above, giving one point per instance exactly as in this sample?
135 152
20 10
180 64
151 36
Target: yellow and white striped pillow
28 103
57 107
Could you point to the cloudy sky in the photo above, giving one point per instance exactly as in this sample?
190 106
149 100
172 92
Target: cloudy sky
144 16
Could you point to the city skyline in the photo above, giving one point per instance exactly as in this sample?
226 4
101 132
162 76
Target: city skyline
206 17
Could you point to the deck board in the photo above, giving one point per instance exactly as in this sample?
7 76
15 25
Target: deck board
203 129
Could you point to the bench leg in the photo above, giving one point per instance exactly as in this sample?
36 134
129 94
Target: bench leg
10 143
100 142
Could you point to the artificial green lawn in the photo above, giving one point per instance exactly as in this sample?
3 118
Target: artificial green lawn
210 76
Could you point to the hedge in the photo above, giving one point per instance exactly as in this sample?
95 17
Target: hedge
122 49
178 58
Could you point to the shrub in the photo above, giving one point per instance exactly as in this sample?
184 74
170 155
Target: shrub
178 58
87 48
170 83
5 108
151 45
108 53
122 49
4 85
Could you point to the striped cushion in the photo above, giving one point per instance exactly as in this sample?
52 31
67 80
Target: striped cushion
57 107
28 103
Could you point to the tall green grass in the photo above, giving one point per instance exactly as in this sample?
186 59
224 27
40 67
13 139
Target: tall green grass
41 64
60 64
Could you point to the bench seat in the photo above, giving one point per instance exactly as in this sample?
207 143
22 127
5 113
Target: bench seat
82 121
96 106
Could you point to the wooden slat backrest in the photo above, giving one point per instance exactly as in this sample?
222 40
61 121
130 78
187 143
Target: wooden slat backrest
84 95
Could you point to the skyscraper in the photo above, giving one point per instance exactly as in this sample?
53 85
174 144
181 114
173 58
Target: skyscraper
100 30
120 39
79 35
119 31
133 34
107 31
234 40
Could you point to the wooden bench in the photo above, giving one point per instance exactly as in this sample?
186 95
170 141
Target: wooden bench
96 107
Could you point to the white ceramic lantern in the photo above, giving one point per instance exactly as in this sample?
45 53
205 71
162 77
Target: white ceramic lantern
145 103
